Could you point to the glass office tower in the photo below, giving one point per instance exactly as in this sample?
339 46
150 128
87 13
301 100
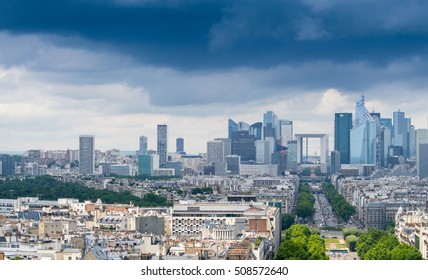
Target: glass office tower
342 134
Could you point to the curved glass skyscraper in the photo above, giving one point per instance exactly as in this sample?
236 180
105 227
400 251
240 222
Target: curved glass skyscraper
365 136
231 127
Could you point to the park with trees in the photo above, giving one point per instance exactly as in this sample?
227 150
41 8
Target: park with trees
48 188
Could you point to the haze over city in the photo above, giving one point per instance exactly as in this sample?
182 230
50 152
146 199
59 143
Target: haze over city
116 69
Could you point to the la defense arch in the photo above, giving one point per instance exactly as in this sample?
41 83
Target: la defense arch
324 146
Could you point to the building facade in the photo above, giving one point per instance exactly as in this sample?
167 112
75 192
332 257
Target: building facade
342 136
7 165
422 152
147 163
365 136
243 145
162 144
86 154
179 145
143 146
270 125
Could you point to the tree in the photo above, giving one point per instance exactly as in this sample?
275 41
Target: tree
304 209
381 245
369 240
316 247
364 244
338 203
293 249
382 249
351 242
287 220
300 244
202 191
297 230
405 252
306 172
390 228
52 189
305 202
258 241
378 252
352 231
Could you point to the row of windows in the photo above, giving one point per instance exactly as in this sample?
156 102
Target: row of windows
199 222
206 215
185 227
6 204
186 232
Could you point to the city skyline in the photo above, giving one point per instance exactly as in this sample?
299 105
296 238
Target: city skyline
68 73
151 135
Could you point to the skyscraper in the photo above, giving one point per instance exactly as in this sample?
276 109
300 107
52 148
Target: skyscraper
422 152
285 132
401 132
179 145
243 126
232 126
7 165
386 122
342 134
422 160
215 151
243 144
412 142
292 156
233 163
227 145
365 137
270 123
143 146
162 144
264 150
86 154
256 129
215 156
146 164
385 140
335 162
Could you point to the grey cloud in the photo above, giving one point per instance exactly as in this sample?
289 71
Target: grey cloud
310 29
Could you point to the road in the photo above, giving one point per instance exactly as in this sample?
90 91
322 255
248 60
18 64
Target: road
324 216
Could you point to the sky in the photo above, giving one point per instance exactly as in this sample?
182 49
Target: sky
117 68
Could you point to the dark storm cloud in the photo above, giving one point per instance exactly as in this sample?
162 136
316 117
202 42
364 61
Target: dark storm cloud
184 52
159 33
216 34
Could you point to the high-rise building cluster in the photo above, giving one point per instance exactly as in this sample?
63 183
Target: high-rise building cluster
364 142
382 142
251 149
